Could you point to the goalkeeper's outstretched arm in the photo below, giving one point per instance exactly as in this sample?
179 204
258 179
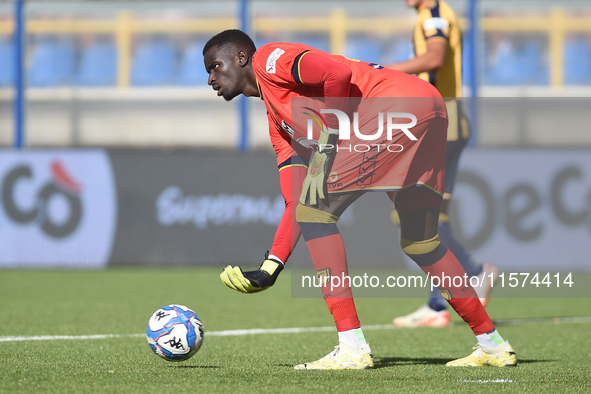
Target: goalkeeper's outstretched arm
291 175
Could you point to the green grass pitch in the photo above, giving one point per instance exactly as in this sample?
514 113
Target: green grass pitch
553 357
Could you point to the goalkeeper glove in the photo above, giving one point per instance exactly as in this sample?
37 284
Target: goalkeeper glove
252 281
319 168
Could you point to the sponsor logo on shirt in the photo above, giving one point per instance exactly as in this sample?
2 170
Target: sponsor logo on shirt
333 177
272 60
436 23
288 129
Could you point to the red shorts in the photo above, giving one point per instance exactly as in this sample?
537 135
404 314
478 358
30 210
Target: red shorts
392 165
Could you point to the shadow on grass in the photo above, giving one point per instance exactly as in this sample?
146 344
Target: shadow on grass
385 362
519 361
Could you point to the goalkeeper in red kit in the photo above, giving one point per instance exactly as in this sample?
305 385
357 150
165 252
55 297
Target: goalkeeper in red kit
298 83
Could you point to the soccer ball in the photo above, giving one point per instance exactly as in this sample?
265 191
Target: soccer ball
175 332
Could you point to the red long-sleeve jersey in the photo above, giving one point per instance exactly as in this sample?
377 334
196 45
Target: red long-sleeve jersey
286 71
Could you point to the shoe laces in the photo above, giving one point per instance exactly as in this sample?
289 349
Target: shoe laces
336 350
331 354
478 350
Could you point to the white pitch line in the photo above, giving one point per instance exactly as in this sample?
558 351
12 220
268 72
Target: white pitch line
289 330
556 320
57 337
227 333
487 381
293 330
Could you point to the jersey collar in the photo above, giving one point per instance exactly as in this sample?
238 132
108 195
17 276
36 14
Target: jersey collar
427 4
259 88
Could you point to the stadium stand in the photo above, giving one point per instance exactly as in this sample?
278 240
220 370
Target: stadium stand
191 70
577 61
534 69
52 63
398 51
364 48
98 65
541 53
317 42
154 63
511 64
6 65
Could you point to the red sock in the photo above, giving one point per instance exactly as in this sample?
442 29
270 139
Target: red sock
464 299
344 313
328 253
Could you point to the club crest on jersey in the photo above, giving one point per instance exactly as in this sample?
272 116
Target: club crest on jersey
376 66
272 60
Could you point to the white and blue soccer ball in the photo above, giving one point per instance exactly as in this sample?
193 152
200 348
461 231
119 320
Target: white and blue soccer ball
175 332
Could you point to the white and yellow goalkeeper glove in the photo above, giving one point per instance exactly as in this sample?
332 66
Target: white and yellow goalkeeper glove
319 168
252 281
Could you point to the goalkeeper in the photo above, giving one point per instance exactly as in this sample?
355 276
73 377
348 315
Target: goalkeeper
284 74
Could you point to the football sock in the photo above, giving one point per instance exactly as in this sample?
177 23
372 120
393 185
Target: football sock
328 255
438 261
472 268
490 339
353 338
344 313
436 301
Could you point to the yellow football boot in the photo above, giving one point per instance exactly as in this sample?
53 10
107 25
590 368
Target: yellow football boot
500 356
342 357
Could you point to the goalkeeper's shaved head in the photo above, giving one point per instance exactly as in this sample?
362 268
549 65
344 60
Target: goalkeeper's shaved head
231 38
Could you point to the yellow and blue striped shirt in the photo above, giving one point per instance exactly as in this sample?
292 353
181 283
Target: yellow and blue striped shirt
437 21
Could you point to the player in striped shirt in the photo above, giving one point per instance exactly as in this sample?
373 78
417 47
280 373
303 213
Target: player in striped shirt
437 43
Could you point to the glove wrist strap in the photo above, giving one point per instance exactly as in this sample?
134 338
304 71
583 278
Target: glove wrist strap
272 267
